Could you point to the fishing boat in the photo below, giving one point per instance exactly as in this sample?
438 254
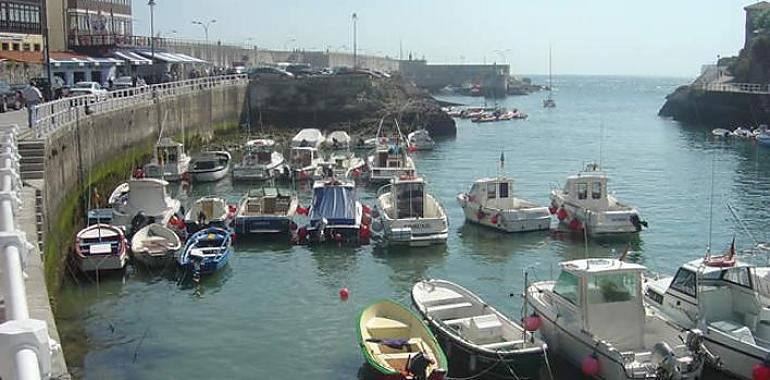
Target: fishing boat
260 161
476 337
336 215
210 166
397 345
390 158
208 211
100 247
155 245
265 210
584 203
420 140
407 215
341 164
725 297
337 140
169 162
146 198
594 316
206 251
548 102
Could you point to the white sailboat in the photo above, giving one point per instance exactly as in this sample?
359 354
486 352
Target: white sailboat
548 102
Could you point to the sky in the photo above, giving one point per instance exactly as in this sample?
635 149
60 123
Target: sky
619 37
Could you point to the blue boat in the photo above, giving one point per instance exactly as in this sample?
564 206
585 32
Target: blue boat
206 251
336 215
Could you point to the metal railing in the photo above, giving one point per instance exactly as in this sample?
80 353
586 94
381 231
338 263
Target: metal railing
50 116
25 347
743 88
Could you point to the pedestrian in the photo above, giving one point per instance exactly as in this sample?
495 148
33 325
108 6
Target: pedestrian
32 96
110 84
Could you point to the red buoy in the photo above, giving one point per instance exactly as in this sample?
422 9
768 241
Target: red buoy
344 294
760 371
495 219
302 210
532 323
366 209
575 225
591 365
552 210
562 214
302 235
364 234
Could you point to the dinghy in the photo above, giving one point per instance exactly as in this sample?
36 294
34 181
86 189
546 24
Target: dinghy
477 338
210 166
265 211
397 345
101 247
206 251
155 245
208 211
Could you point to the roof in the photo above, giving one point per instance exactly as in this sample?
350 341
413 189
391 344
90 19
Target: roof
761 5
336 204
602 265
170 57
57 58
493 179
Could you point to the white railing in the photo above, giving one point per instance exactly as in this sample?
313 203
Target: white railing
50 116
25 347
743 88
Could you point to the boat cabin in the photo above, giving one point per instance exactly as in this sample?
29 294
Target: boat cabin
266 201
302 157
409 197
603 297
258 152
588 188
389 156
493 192
168 151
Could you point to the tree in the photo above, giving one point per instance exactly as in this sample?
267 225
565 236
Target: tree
762 21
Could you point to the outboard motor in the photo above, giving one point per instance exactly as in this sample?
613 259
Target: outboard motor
694 341
137 222
664 360
638 223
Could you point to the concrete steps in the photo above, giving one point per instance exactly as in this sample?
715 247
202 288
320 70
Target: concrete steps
32 161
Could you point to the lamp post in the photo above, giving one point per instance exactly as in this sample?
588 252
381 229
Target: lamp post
47 51
355 53
205 26
151 4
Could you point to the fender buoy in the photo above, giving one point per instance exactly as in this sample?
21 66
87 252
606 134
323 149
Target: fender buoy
575 224
552 210
590 365
719 261
562 214
495 218
760 371
532 323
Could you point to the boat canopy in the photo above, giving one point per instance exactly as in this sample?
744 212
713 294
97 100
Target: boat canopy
336 204
149 194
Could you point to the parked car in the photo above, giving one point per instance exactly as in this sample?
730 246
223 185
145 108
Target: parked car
269 72
89 88
8 97
124 82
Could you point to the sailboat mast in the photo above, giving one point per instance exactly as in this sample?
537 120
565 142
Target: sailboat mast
711 205
550 71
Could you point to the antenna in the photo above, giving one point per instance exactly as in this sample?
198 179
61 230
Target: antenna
601 141
711 204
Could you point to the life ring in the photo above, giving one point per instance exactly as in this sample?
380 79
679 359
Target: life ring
719 261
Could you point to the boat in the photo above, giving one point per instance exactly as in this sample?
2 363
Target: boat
420 140
594 316
146 198
308 137
341 164
491 202
365 144
337 140
743 132
473 112
725 297
208 211
336 215
548 102
408 215
119 195
584 203
721 132
260 161
100 247
170 162
206 251
155 245
499 114
397 345
477 338
390 158
210 166
763 137
304 161
265 210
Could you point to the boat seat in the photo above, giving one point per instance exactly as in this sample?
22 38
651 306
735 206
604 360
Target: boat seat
397 355
439 296
484 329
498 345
380 327
452 310
457 321
737 331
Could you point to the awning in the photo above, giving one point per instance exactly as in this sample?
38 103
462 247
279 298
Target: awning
133 58
190 58
171 57
82 61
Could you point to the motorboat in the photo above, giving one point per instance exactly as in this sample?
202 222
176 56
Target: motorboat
146 198
265 210
477 338
210 166
305 161
584 203
365 144
763 136
169 162
336 215
407 215
208 211
308 137
155 245
490 202
337 140
341 164
728 299
390 158
260 161
500 114
206 251
100 247
743 132
397 345
593 315
420 140
721 132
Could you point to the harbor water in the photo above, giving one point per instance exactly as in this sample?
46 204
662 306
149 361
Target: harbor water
274 312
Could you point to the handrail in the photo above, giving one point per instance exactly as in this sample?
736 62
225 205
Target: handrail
25 347
745 88
50 116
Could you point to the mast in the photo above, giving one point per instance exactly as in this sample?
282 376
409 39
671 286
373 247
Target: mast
550 73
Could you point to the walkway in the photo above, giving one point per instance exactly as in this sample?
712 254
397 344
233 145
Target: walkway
740 88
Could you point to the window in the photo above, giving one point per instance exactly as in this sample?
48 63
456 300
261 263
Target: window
738 276
582 190
685 281
491 191
613 287
37 47
4 46
596 191
25 46
15 46
567 287
504 190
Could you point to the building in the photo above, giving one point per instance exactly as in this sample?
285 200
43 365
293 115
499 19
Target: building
753 11
20 25
74 23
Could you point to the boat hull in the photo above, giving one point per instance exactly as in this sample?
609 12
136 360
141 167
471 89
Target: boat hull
209 175
209 267
256 225
524 220
600 223
155 260
465 362
102 262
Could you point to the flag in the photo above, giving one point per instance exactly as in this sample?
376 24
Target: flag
731 252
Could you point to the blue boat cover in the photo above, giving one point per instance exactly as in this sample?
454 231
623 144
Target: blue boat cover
335 203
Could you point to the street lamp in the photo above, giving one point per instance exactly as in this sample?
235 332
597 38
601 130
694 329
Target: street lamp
151 3
205 27
355 60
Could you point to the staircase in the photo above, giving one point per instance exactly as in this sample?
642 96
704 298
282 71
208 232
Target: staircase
32 159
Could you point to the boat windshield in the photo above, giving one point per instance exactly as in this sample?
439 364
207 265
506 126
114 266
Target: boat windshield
167 154
205 165
612 287
567 287
302 157
410 200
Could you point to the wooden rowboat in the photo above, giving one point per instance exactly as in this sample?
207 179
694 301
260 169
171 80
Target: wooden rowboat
398 345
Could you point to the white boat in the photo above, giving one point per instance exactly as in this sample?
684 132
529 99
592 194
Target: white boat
308 137
585 203
146 196
170 162
155 245
390 158
743 132
210 166
548 102
491 202
594 316
408 215
726 298
260 161
208 211
341 164
337 140
420 140
304 162
265 211
474 335
101 247
721 132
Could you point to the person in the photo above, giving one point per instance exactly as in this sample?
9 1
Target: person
32 96
110 84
